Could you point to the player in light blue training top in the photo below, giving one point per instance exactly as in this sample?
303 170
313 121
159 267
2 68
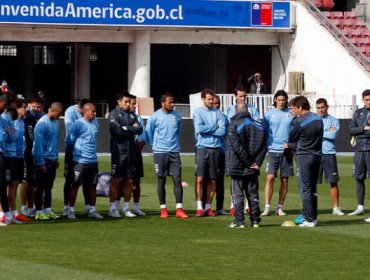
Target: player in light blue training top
277 123
328 158
45 151
240 93
210 130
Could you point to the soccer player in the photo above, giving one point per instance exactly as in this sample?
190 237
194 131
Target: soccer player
15 158
210 129
72 114
82 143
307 131
246 149
278 123
163 131
139 173
45 151
329 159
123 127
359 127
33 115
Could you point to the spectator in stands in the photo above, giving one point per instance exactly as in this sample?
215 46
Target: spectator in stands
277 123
82 144
328 157
163 131
257 85
359 127
210 130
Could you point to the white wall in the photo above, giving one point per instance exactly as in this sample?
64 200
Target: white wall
328 67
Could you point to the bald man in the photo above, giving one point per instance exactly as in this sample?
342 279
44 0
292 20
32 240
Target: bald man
45 152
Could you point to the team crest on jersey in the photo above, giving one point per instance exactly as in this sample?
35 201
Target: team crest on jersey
77 174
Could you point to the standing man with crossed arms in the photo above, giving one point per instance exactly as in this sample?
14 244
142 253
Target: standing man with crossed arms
210 129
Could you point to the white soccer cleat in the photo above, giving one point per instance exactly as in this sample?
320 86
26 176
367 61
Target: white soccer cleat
114 213
65 212
266 212
337 211
128 214
71 215
367 220
95 215
138 212
280 212
308 224
358 211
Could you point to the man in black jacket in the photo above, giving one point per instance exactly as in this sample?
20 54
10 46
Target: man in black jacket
123 127
246 150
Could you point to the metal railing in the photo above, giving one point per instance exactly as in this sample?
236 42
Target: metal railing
337 33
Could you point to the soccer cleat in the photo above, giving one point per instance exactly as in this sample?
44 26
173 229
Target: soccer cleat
114 213
3 224
299 220
181 214
280 212
31 212
21 218
232 212
52 215
95 215
65 212
266 212
209 213
138 212
2 219
222 212
164 213
338 211
128 214
358 211
254 225
25 212
71 215
233 225
308 224
367 220
12 221
199 213
41 216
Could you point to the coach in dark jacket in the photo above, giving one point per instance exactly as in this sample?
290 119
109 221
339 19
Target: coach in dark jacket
246 149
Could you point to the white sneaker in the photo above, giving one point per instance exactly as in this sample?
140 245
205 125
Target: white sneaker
280 212
87 210
95 215
31 212
357 212
24 212
308 224
338 211
138 212
71 215
12 221
65 212
266 212
3 224
114 213
128 214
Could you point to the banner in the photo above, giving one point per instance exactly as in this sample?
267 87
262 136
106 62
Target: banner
156 13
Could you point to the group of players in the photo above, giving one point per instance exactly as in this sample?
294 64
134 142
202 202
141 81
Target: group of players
235 144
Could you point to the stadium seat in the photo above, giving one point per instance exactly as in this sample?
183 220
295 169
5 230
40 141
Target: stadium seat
349 15
367 51
354 41
346 23
358 23
336 14
363 42
366 33
327 4
317 3
355 33
327 14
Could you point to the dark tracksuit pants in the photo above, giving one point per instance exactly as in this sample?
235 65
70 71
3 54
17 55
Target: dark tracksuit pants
308 170
44 184
3 186
249 186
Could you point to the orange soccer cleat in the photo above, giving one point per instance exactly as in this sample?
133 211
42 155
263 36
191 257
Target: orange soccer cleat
181 214
164 213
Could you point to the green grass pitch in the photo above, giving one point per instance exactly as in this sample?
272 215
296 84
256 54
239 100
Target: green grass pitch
198 248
